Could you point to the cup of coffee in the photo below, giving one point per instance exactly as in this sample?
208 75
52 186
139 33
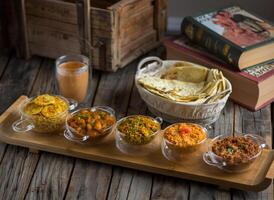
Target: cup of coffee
73 74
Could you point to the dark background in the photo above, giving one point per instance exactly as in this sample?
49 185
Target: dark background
177 9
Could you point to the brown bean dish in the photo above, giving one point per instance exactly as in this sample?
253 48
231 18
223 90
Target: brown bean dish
91 123
235 150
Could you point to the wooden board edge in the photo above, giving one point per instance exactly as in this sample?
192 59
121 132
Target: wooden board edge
12 107
270 173
256 188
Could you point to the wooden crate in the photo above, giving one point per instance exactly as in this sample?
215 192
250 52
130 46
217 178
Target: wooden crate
111 32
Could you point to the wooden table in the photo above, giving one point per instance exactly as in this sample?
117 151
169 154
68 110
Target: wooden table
43 175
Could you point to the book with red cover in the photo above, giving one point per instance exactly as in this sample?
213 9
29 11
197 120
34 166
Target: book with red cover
252 87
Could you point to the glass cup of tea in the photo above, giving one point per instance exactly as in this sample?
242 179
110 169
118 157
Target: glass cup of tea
73 77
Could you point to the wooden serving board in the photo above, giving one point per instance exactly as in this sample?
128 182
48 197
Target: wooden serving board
257 178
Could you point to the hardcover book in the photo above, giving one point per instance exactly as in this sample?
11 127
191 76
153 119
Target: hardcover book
251 87
235 35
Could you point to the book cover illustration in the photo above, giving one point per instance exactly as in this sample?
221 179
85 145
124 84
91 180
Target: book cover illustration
238 26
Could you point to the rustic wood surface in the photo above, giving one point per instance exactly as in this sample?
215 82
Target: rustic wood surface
27 175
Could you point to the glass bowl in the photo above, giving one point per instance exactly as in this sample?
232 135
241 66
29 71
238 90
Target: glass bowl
71 134
144 145
178 153
40 123
239 165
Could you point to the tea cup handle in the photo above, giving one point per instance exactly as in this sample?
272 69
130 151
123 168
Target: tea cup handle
72 103
22 125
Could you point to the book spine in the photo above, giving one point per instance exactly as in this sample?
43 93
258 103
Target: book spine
214 43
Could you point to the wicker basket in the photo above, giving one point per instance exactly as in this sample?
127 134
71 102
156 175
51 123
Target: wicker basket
172 111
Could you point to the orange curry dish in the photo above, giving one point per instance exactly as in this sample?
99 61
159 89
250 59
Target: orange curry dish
185 134
91 123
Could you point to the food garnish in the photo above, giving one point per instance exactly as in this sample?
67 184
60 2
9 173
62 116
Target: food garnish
138 129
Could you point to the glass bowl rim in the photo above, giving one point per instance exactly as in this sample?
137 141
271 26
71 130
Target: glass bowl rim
124 118
225 135
28 100
170 143
107 109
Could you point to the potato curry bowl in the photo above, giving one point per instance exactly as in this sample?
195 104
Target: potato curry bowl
182 138
90 123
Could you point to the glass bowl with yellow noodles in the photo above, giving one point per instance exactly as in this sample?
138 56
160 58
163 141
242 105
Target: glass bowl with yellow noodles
44 114
137 134
181 140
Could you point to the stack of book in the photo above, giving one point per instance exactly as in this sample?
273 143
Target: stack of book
238 43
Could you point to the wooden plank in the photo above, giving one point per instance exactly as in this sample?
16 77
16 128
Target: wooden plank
101 33
51 177
144 21
53 171
16 19
260 123
46 178
17 165
4 59
138 47
125 183
52 9
16 172
169 188
51 52
17 80
4 25
43 188
51 38
128 183
160 18
90 180
128 7
24 32
40 34
63 27
224 125
109 92
140 187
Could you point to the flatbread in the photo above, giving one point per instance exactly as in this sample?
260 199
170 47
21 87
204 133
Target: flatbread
186 82
186 74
